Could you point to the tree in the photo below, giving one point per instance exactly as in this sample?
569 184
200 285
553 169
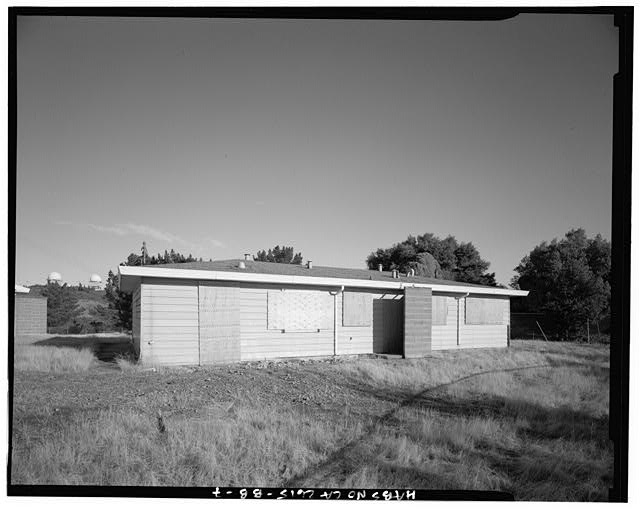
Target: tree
119 301
431 256
279 254
426 266
62 305
568 280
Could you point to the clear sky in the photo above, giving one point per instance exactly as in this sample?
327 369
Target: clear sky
224 137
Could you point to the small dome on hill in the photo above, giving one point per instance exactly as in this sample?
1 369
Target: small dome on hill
95 278
54 276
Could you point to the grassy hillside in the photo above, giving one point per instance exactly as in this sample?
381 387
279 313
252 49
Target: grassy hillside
93 316
531 420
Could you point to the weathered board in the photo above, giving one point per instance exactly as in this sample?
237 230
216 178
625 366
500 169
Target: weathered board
219 323
357 309
444 335
484 335
484 311
299 310
439 306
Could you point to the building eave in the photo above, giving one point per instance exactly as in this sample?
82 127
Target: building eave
131 277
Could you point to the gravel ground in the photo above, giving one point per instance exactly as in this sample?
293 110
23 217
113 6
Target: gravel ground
313 385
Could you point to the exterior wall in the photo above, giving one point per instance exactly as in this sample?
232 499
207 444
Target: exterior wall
417 322
360 340
135 321
29 314
484 336
219 321
169 322
175 320
446 336
259 342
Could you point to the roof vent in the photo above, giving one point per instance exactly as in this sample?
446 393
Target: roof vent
379 267
247 256
242 265
309 264
412 272
394 273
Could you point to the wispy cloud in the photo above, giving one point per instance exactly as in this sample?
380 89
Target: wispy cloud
216 243
146 231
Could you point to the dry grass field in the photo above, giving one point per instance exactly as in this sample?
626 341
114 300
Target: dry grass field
531 420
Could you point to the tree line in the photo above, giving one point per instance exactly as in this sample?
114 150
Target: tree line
568 279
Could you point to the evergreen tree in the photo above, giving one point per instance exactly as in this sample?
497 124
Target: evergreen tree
62 305
279 254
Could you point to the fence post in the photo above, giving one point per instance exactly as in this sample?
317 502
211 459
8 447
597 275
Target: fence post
543 334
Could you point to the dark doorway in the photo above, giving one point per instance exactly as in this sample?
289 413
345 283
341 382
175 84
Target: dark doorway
388 326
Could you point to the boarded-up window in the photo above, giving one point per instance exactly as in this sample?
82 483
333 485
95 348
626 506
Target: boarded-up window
357 310
484 311
299 310
439 306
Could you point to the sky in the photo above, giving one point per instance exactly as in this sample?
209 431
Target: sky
219 137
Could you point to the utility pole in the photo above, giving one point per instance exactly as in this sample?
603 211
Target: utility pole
144 252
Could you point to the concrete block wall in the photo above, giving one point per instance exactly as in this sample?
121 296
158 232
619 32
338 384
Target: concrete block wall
30 314
417 322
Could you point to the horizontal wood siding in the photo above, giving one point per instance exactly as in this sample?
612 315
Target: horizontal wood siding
446 336
169 322
259 342
354 340
135 321
484 336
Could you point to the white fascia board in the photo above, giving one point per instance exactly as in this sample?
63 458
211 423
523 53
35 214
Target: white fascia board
252 277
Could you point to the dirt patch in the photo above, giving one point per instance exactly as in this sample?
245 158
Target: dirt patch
310 385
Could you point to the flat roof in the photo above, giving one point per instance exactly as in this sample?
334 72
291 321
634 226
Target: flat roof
283 273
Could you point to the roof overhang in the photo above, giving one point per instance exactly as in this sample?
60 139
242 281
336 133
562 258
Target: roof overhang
131 277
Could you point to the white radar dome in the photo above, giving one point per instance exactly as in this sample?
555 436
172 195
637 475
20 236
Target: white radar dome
95 278
54 276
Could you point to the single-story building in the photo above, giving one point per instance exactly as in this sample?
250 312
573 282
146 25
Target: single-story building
237 310
29 312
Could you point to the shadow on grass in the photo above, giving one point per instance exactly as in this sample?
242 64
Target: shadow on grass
105 348
535 424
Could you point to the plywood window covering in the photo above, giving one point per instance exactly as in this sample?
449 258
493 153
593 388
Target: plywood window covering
479 311
440 309
299 310
357 309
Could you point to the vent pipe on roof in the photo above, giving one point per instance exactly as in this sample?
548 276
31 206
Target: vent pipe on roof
247 256
242 265
379 267
394 273
309 264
